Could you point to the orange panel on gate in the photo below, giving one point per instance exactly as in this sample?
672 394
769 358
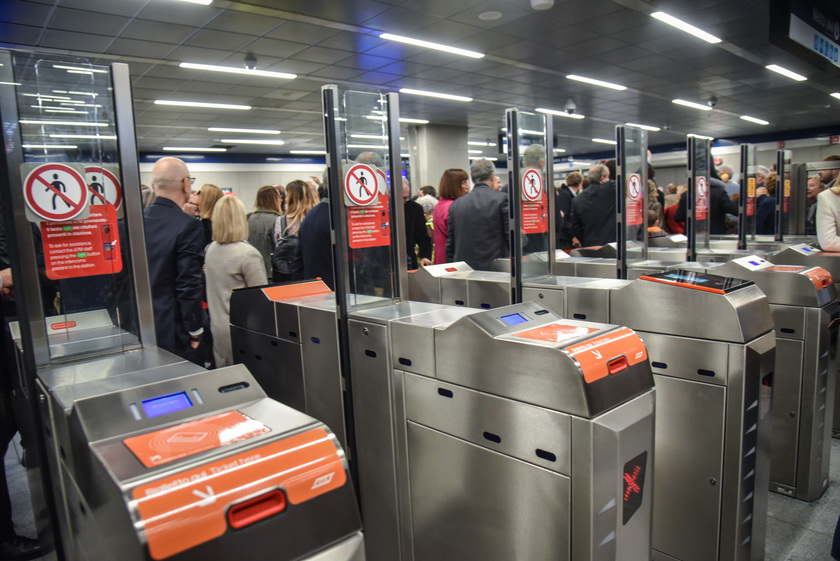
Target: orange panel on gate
282 292
189 508
820 276
596 356
556 332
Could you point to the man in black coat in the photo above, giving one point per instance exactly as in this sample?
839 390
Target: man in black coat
415 231
175 251
315 248
592 218
719 205
563 209
478 222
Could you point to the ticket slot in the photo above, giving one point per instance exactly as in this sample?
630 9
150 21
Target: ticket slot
256 509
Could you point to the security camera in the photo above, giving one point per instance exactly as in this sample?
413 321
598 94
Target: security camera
712 101
570 107
250 62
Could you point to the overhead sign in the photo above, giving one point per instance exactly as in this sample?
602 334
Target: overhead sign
532 187
702 202
104 187
56 191
808 28
361 185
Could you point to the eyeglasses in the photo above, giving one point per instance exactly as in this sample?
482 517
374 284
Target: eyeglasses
192 179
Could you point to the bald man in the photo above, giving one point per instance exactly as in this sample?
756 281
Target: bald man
175 249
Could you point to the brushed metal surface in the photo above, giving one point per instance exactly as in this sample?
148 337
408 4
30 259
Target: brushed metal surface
479 505
697 360
453 291
789 321
591 300
488 289
424 284
250 309
787 390
413 338
602 268
792 288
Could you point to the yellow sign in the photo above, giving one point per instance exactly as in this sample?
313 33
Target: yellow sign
751 187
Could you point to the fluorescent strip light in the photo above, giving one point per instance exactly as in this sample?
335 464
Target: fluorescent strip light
201 104
80 69
83 136
691 104
686 27
475 151
534 133
86 72
251 131
63 123
202 2
10 84
559 150
372 136
604 141
754 120
558 113
309 152
435 94
237 70
643 127
405 155
402 119
701 137
836 95
252 141
189 149
363 146
430 45
64 111
595 82
50 146
48 97
477 143
489 158
785 72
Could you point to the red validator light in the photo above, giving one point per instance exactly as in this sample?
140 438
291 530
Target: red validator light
634 483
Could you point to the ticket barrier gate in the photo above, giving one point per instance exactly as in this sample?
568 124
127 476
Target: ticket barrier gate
712 374
175 462
458 284
518 435
810 256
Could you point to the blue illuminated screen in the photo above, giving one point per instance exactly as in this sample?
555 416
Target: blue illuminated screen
514 319
807 249
754 263
691 279
166 404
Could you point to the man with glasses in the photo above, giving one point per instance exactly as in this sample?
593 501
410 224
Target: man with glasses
175 252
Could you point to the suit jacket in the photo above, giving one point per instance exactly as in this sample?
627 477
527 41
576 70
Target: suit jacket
315 249
175 250
416 234
562 222
719 206
478 228
592 219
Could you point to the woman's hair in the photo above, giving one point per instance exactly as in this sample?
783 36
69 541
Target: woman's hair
770 183
147 194
209 195
450 183
428 203
229 221
299 201
267 198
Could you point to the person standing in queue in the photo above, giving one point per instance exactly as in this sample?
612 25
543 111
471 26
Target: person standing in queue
454 183
479 222
175 251
592 219
263 222
828 219
415 231
231 263
314 256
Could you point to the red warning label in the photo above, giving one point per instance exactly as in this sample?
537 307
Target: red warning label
369 226
83 248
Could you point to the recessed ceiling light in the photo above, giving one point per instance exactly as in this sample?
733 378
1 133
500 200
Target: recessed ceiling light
50 146
475 151
363 146
435 94
238 70
700 136
558 113
686 27
836 95
190 149
64 123
755 120
604 141
644 127
113 137
489 16
201 104
252 141
309 152
251 131
691 104
595 82
534 133
785 72
372 136
405 155
430 45
202 2
479 143
402 119
490 158
59 110
9 83
559 150
81 69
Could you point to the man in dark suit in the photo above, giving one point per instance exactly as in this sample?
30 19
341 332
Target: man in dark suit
563 209
175 248
314 256
592 218
415 231
478 221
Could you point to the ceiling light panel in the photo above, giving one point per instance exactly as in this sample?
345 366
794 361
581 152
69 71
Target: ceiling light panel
691 104
430 45
202 104
685 27
252 141
595 82
604 141
786 73
246 131
559 113
237 70
191 149
438 95
755 120
644 127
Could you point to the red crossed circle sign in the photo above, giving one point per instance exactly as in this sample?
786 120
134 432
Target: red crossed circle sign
701 187
634 187
361 185
532 185
55 192
104 187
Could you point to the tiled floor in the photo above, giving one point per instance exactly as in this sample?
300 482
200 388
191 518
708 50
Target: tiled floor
796 531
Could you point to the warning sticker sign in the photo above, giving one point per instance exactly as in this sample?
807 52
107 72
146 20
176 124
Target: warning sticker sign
596 355
55 191
535 215
634 200
189 508
751 196
361 185
83 248
369 226
702 200
532 185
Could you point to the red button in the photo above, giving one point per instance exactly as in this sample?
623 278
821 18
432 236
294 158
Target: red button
617 365
253 510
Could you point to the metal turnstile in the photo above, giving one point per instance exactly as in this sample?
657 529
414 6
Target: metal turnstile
174 462
712 347
519 435
457 284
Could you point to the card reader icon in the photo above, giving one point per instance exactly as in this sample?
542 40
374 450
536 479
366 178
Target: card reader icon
183 437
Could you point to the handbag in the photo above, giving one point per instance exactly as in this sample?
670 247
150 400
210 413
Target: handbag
283 256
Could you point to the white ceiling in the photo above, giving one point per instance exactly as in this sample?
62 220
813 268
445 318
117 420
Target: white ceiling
528 55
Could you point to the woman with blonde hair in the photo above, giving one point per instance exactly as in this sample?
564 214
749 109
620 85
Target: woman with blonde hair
300 199
230 263
208 195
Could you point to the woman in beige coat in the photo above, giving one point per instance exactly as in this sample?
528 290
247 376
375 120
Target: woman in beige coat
230 262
